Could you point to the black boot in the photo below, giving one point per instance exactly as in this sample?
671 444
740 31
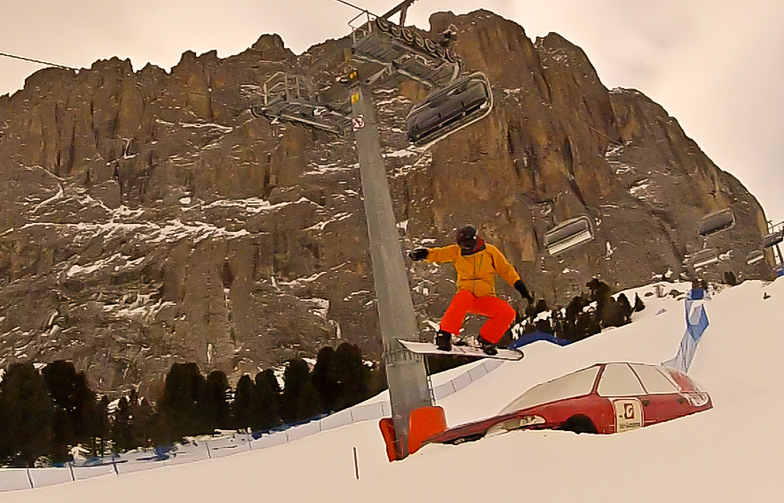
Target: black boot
444 340
488 347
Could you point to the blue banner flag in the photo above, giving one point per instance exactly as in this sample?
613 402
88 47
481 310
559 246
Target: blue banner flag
696 323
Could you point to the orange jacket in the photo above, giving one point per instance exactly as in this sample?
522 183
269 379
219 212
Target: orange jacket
476 272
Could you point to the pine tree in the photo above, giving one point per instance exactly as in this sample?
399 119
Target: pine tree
182 397
267 392
574 323
378 379
309 402
639 305
97 425
272 380
141 419
323 379
295 376
122 438
62 436
242 405
5 433
28 411
216 410
70 393
351 373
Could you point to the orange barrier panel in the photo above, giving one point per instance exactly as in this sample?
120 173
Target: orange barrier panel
422 423
388 432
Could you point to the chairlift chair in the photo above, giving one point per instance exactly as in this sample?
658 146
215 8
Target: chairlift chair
754 256
704 257
448 109
716 222
317 117
568 235
772 239
291 97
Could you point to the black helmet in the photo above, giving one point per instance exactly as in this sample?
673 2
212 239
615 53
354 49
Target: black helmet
466 238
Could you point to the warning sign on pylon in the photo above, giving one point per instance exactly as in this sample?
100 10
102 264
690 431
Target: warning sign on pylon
358 122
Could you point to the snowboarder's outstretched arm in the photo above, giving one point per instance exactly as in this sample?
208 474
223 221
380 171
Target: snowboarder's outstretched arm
436 255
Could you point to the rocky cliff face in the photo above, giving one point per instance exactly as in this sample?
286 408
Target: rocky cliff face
147 218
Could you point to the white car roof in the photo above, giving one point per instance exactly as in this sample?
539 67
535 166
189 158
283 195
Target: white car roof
618 379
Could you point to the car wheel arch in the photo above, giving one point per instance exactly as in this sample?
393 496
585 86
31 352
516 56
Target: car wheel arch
579 423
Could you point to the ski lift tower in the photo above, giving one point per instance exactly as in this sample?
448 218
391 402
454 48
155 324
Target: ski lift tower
383 53
772 240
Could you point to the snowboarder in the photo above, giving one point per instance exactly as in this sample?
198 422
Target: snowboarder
476 264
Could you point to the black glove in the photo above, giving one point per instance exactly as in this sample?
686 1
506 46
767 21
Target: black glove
520 287
419 254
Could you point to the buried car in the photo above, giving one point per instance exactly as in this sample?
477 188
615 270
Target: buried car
603 398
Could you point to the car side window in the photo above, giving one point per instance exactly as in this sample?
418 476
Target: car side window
619 380
654 381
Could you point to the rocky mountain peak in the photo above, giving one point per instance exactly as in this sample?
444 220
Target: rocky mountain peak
272 48
148 218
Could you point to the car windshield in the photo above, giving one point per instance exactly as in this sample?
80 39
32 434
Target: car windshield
569 386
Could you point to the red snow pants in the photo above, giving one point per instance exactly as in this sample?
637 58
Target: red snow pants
501 315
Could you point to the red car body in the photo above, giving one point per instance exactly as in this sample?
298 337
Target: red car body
603 398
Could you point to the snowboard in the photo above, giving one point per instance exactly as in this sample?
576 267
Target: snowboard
428 348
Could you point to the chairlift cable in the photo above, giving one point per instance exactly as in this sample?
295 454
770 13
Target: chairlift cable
615 142
31 60
360 9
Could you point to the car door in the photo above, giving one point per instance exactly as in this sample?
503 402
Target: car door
621 386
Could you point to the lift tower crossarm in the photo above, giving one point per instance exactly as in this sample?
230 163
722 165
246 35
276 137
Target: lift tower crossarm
402 7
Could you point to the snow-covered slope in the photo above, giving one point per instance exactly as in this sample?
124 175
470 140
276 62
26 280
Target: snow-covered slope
731 453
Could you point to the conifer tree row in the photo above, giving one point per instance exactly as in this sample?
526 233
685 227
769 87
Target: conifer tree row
44 414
